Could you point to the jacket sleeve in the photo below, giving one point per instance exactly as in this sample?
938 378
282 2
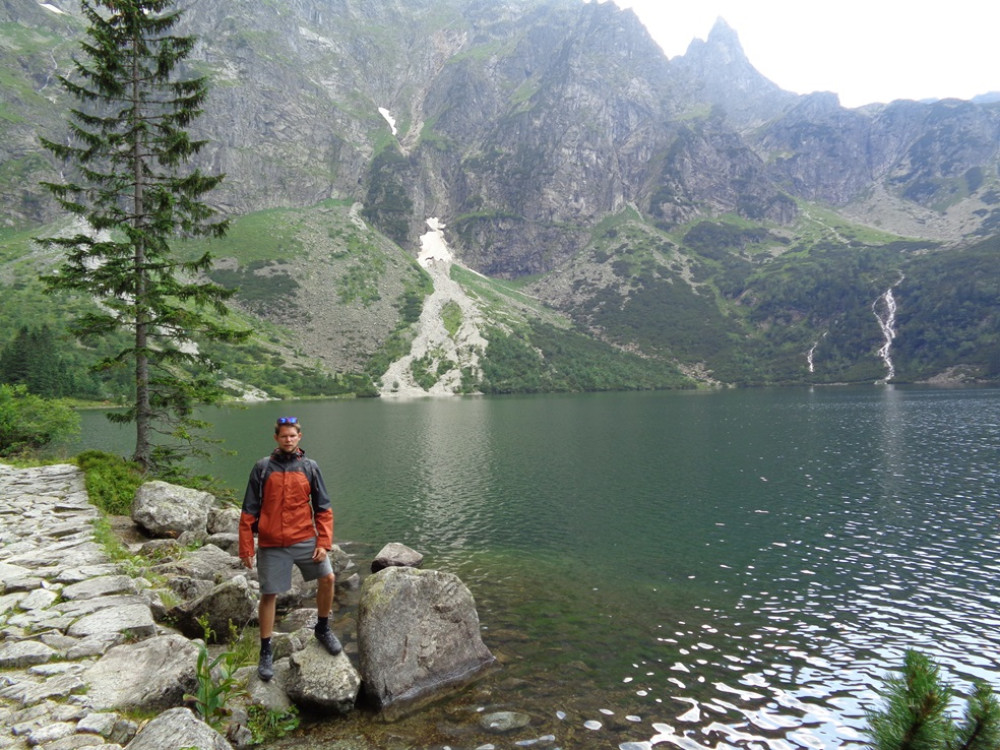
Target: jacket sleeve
322 509
250 512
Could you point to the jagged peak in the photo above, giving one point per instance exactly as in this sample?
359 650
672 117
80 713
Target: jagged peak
723 33
723 45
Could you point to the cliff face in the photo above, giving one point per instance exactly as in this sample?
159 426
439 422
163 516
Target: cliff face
520 123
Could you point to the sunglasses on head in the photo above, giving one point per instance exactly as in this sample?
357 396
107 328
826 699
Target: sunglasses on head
288 420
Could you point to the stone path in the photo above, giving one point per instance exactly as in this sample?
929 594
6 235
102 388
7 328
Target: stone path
63 603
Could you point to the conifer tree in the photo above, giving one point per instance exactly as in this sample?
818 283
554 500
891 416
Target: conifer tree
129 151
914 712
32 359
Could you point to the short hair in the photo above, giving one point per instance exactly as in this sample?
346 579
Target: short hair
279 424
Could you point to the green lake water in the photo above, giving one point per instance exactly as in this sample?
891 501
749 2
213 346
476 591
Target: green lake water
725 569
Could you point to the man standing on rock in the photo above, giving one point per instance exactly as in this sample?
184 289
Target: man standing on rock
287 504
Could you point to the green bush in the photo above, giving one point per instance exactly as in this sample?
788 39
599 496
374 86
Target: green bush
111 481
29 422
270 724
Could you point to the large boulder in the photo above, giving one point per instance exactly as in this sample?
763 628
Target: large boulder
166 510
152 675
178 728
319 681
418 632
232 601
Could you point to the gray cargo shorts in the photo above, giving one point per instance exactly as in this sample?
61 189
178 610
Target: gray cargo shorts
274 566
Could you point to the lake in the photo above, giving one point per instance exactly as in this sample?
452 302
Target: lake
738 568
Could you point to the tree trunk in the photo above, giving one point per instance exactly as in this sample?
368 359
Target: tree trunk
143 412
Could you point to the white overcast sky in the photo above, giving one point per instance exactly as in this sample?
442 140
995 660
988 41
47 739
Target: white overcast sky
864 50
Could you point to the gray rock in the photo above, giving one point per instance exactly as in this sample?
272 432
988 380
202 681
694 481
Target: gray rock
271 695
152 675
58 641
9 602
100 586
39 599
109 725
162 550
418 631
55 556
188 588
80 607
395 554
193 537
209 563
135 619
29 692
98 722
85 572
45 712
350 583
75 741
223 521
166 510
500 722
230 542
320 681
340 560
51 732
94 645
175 729
10 572
21 583
231 601
21 654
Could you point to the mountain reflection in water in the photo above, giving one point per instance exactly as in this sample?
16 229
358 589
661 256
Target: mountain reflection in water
728 569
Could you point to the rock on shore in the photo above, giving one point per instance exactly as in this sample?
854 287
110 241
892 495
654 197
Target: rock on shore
84 647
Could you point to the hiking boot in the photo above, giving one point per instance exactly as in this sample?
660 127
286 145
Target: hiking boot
329 641
265 667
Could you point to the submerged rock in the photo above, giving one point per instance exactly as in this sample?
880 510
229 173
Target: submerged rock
500 722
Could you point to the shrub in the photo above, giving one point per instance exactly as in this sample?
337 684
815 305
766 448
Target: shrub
29 422
914 713
111 481
269 724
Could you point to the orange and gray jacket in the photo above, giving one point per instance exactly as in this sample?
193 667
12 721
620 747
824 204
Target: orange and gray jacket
286 502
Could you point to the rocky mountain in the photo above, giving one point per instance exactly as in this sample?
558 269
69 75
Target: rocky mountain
556 143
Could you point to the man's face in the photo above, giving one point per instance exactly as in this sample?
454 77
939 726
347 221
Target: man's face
288 438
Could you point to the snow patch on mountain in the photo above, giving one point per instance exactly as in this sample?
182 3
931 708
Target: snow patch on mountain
437 353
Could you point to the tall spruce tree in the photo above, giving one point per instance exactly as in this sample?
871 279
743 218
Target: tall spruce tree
129 152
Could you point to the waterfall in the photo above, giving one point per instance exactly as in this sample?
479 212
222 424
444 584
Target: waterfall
812 352
887 322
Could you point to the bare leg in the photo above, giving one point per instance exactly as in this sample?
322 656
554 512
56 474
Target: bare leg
265 613
324 595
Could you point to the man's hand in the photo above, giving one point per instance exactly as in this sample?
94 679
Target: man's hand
319 554
247 562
